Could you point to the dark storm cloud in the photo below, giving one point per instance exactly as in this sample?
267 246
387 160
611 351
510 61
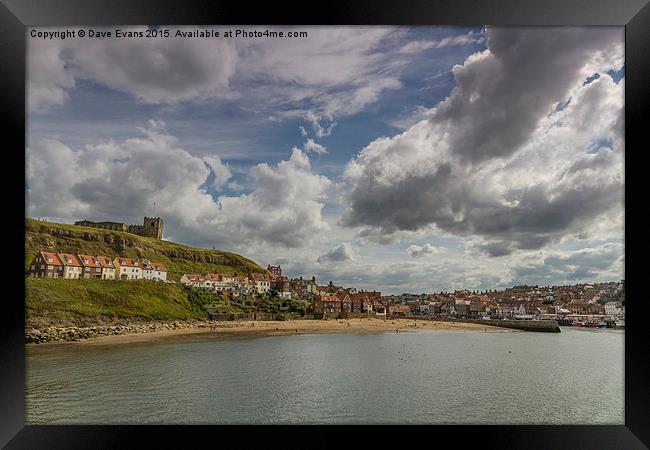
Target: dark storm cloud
451 171
501 96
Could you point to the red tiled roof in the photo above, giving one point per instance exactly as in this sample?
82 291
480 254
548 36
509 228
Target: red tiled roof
89 261
260 277
105 261
194 278
128 262
69 259
55 261
159 266
148 265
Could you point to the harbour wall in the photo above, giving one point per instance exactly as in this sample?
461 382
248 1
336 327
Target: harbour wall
545 326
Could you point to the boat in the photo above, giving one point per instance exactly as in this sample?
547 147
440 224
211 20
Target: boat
591 324
619 323
602 325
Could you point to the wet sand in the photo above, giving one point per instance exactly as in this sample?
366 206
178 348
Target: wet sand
278 328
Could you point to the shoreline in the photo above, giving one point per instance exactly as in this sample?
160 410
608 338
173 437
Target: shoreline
248 329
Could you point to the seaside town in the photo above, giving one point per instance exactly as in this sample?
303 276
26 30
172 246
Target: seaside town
597 305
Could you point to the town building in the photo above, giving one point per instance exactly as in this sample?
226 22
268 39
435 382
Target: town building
261 281
46 265
92 268
127 269
613 309
275 270
153 271
72 268
193 280
108 268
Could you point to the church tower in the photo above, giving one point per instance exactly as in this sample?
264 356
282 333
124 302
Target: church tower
153 227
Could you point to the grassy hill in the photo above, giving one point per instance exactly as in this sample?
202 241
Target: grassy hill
89 302
178 258
82 302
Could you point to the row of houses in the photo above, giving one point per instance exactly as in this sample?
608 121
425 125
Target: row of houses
253 282
346 305
71 266
481 308
259 283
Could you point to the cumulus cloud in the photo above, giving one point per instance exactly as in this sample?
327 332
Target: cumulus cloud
343 252
220 172
311 146
496 160
600 262
153 70
48 79
335 71
121 180
427 249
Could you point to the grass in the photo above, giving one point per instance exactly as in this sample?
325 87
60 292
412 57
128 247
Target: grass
178 258
73 300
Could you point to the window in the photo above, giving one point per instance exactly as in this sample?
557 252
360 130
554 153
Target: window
32 268
50 267
87 269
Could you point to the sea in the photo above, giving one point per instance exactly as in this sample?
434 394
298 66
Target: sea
419 377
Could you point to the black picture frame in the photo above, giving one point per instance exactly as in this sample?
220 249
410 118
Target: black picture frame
15 15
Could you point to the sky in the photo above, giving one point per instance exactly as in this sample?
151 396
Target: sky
401 159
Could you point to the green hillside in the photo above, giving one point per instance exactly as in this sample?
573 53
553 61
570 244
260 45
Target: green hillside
178 258
80 301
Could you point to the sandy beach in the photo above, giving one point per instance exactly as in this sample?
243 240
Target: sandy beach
278 328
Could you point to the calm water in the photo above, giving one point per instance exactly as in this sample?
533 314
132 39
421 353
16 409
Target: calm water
423 377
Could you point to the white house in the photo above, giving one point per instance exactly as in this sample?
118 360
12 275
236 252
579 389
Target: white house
153 271
127 269
262 282
108 268
193 280
613 309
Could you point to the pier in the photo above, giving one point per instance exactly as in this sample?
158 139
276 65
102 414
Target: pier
544 326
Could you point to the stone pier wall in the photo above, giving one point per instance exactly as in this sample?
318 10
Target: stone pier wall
545 326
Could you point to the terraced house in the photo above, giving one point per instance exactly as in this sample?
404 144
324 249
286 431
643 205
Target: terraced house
92 268
153 271
127 269
72 268
69 266
262 282
108 268
193 280
46 265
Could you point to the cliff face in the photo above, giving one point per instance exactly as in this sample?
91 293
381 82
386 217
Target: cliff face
178 258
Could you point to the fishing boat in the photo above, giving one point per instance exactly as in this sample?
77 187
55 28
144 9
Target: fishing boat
620 323
602 325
